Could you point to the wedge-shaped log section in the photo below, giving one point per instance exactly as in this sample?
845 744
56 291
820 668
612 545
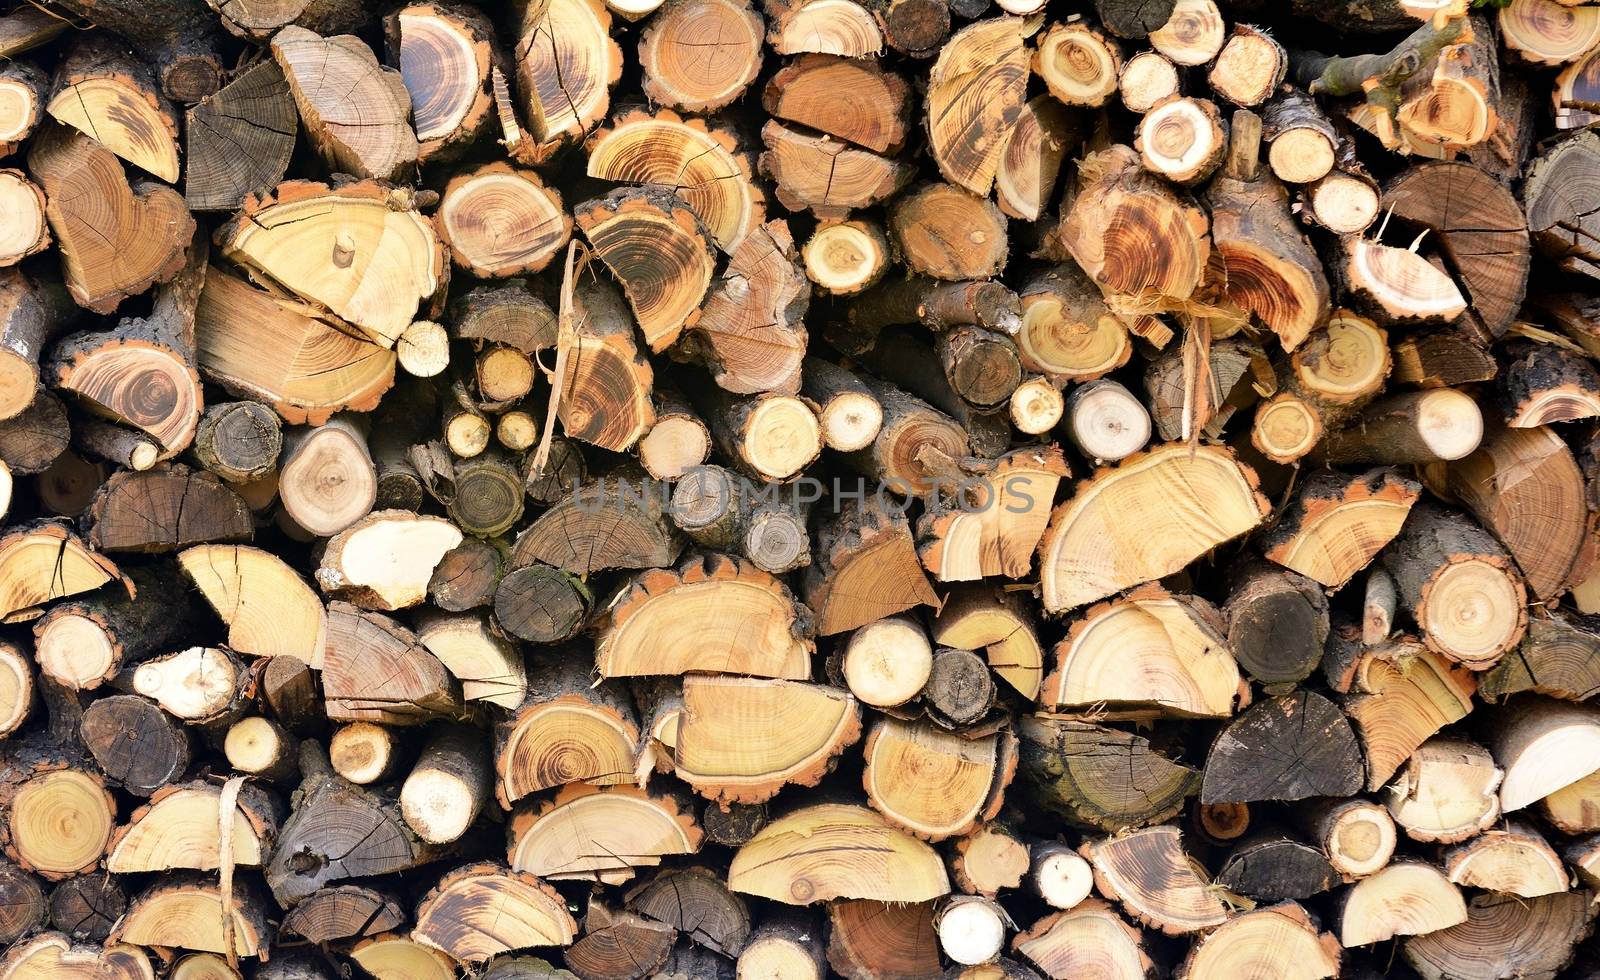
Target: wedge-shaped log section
500 221
1506 936
52 956
1152 648
605 524
838 27
1156 882
186 912
269 609
606 400
1407 898
1397 286
658 249
178 828
359 251
589 833
1486 244
357 112
240 139
829 176
385 560
1447 792
115 242
1404 693
712 614
1100 777
1524 486
444 54
1278 941
865 568
933 783
319 367
1543 746
1512 860
1288 747
806 91
1187 502
700 165
567 731
1025 181
1090 939
488 667
1336 524
482 910
165 509
44 562
998 534
889 940
375 670
976 90
1132 233
344 912
566 65
836 850
338 830
1575 808
750 325
741 740
696 902
1560 657
1002 625
107 95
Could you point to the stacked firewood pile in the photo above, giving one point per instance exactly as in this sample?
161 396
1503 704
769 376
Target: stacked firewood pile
887 489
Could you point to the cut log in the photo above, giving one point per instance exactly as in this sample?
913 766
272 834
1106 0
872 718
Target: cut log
1288 747
741 740
166 508
1459 586
989 860
45 561
750 324
1079 65
1560 207
972 929
1147 79
204 686
659 251
445 54
52 956
326 480
322 369
269 610
943 232
527 913
393 954
1088 554
606 398
186 912
933 784
602 834
1249 68
33 310
566 731
24 206
1403 694
805 92
1302 141
448 786
238 441
1277 624
358 250
374 669
788 945
1281 938
1439 424
1539 743
23 88
116 241
59 816
700 55
356 112
1193 35
827 176
619 525
1446 792
650 626
107 95
1275 867
1149 874
1036 406
1025 180
887 941
343 912
1408 898
619 944
1514 860
180 828
239 139
364 753
1106 422
24 904
959 691
1396 286
488 667
1502 934
1286 428
694 901
1168 254
16 690
865 568
1100 777
1060 876
1067 330
1172 646
1091 938
501 221
81 643
260 747
888 662
847 409
788 861
846 257
998 531
968 131
1181 139
1542 384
